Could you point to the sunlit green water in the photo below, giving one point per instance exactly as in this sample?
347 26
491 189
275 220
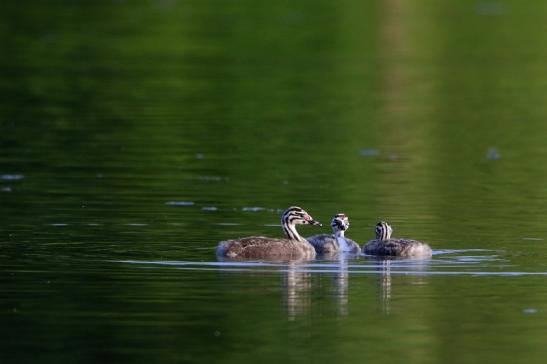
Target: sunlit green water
136 135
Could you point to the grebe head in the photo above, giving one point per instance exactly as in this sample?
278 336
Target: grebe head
383 231
292 216
340 222
297 215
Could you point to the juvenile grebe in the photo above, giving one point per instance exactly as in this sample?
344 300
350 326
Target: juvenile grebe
383 245
294 247
333 244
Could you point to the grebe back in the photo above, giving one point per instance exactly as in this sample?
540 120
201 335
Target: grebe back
294 247
384 245
331 244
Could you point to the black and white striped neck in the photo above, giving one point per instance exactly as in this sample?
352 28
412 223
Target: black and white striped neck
383 231
291 217
291 233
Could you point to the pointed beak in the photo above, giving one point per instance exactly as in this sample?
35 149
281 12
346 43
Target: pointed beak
314 222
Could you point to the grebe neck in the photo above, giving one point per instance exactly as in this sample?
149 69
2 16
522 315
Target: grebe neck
341 240
290 230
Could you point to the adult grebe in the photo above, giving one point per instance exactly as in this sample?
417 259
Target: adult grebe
294 247
333 244
383 245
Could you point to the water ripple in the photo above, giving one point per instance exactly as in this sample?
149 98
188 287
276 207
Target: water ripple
180 203
209 208
464 265
11 177
253 209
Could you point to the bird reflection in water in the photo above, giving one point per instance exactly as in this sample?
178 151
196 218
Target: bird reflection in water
297 288
385 266
386 286
341 285
297 283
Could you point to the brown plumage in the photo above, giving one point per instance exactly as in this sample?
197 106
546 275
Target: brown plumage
383 245
294 247
260 247
325 244
335 243
398 248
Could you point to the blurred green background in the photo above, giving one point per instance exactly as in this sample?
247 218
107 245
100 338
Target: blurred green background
147 131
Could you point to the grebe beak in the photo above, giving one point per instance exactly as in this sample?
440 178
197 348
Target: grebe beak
314 222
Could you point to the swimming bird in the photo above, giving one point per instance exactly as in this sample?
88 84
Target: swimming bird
383 245
332 244
294 247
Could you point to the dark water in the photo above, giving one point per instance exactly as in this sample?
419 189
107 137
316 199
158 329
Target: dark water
136 135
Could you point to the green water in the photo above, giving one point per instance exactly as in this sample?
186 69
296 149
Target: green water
135 135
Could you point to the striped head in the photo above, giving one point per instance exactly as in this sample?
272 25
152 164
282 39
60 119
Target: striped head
295 215
383 231
340 222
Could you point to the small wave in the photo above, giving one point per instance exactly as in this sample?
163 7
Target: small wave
492 154
209 208
180 203
460 251
352 269
11 177
369 152
209 178
447 262
253 209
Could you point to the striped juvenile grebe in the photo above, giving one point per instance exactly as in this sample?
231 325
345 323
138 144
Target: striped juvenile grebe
294 247
383 245
333 244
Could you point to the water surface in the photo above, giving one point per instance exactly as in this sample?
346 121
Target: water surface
136 135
